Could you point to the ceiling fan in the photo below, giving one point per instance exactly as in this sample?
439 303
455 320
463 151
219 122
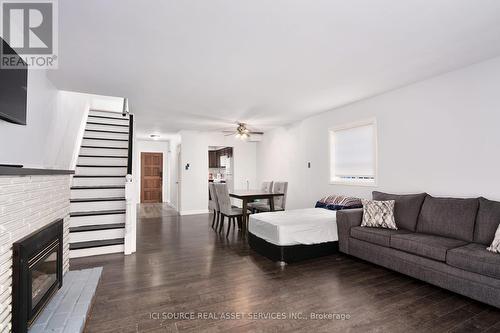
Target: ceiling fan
242 132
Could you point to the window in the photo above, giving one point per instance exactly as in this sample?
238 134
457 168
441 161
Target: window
353 154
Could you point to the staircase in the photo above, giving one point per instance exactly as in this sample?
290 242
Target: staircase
98 204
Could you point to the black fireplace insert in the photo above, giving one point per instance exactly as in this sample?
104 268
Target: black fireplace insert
37 273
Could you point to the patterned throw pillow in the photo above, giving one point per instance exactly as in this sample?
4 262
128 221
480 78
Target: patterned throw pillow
338 202
378 214
495 246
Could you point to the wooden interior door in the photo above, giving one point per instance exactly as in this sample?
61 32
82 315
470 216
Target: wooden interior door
151 177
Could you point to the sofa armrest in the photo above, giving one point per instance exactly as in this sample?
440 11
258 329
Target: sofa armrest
346 219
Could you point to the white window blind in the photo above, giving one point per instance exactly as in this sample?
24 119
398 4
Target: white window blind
354 153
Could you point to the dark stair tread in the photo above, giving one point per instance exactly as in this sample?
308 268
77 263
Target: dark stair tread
106 124
96 227
104 156
98 199
98 147
96 243
103 187
96 176
107 117
108 139
98 212
104 131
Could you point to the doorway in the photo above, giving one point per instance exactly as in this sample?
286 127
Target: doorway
151 177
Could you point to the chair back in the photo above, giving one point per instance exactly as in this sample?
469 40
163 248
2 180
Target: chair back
214 203
223 198
267 186
280 187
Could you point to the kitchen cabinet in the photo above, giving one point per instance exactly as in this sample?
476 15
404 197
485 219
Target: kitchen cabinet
213 159
215 155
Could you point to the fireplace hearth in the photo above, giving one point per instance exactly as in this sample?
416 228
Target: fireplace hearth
37 273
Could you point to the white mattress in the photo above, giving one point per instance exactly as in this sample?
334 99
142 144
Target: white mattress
298 226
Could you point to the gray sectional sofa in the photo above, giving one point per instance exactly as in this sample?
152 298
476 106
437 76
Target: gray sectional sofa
441 241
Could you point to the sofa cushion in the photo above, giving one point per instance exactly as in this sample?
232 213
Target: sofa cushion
487 221
406 209
430 246
375 235
475 258
448 217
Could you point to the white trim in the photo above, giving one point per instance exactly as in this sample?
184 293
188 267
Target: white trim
368 121
136 153
194 212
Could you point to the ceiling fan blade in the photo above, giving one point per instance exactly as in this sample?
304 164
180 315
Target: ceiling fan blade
252 132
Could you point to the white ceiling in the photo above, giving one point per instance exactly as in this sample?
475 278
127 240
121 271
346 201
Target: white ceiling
205 64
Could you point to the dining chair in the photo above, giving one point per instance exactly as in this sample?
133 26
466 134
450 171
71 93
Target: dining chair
279 201
213 204
265 187
226 210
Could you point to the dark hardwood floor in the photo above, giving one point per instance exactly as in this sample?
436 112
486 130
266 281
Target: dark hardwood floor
182 266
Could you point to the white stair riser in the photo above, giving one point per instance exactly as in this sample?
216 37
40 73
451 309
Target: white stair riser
107 114
78 221
104 143
88 171
123 121
99 181
122 136
96 206
84 236
106 127
96 251
104 151
98 193
122 161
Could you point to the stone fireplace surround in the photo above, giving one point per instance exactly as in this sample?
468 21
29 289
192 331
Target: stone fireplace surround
29 200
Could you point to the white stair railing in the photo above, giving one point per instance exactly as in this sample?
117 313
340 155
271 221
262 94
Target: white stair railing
130 191
130 216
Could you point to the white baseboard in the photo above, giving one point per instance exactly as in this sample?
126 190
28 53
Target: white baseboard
194 212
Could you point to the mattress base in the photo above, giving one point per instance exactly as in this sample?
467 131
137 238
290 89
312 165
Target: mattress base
291 253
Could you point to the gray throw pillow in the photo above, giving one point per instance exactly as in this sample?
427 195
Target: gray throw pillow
495 246
378 214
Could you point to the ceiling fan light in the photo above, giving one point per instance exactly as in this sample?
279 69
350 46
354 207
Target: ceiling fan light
237 136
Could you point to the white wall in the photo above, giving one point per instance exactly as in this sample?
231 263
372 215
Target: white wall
194 182
67 127
440 136
148 146
55 123
27 145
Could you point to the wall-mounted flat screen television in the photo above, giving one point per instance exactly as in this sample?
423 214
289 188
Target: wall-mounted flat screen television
13 90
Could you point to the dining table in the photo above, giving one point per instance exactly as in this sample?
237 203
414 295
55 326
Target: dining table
247 196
